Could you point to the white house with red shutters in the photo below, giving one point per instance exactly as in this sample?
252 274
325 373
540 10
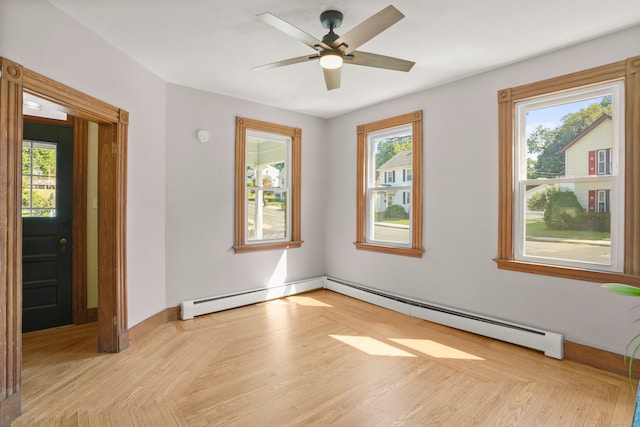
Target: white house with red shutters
589 154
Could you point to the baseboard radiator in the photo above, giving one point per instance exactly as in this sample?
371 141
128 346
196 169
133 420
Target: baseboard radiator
192 308
549 342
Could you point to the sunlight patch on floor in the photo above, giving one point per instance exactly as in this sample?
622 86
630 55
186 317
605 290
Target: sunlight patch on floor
308 301
435 349
371 346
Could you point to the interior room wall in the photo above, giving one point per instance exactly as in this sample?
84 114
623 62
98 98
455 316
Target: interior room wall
200 259
460 208
180 191
75 56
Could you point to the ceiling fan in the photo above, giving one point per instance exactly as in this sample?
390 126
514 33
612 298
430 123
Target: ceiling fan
334 50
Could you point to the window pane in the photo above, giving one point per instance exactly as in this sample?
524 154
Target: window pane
44 158
389 216
38 178
575 224
266 160
26 158
267 215
570 139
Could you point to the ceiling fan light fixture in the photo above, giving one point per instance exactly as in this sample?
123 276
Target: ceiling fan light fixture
330 60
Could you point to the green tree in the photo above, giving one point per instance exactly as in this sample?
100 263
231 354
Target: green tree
44 161
387 148
562 207
547 143
538 202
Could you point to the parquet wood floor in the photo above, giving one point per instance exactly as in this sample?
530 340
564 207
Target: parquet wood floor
315 359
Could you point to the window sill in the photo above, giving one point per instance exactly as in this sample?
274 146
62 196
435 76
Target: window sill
394 250
267 246
567 272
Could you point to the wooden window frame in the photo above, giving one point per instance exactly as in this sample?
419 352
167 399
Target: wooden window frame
627 71
244 124
415 120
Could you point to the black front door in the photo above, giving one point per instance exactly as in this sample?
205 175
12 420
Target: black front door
47 181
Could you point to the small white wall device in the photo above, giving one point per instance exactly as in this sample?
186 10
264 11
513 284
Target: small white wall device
203 135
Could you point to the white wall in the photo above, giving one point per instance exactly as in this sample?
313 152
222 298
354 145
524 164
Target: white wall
200 199
39 36
460 209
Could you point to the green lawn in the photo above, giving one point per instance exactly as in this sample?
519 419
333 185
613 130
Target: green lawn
539 229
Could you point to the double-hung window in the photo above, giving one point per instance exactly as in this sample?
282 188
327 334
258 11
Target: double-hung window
568 169
267 186
389 205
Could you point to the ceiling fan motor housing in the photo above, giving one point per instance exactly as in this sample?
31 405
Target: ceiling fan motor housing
331 19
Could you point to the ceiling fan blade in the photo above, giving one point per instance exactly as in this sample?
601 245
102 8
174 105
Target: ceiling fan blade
368 29
332 78
286 62
292 31
378 61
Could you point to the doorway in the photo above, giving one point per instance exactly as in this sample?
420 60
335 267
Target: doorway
47 218
112 170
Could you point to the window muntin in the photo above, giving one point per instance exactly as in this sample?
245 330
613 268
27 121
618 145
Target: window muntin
389 207
38 179
552 155
267 186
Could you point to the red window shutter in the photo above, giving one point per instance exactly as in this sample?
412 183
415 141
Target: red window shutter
592 200
592 162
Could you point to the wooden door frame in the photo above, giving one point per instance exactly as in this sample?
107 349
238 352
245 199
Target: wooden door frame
112 181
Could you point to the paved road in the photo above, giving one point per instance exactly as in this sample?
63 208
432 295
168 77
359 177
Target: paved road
390 233
571 251
596 252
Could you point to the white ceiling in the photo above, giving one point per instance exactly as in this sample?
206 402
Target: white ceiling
213 44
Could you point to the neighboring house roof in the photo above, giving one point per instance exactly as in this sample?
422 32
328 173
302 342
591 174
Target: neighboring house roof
581 135
403 159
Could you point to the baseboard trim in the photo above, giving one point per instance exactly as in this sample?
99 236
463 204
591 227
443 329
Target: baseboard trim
150 324
591 356
601 359
85 315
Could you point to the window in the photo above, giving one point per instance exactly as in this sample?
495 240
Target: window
603 200
559 214
389 212
604 161
38 178
267 186
390 177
